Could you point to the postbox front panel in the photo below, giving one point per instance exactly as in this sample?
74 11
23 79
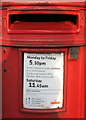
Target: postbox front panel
71 73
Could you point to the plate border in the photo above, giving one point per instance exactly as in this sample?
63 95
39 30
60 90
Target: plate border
42 50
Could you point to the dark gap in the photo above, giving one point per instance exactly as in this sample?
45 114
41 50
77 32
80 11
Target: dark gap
43 18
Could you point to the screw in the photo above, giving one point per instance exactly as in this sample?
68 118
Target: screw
5 60
5 70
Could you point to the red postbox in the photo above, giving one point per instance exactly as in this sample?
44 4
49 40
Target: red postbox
43 60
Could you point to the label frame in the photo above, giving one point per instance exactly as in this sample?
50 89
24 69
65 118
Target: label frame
37 50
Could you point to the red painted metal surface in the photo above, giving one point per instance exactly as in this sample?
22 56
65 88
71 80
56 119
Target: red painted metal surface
19 37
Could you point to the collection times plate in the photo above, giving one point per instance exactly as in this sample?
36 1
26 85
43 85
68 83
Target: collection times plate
43 80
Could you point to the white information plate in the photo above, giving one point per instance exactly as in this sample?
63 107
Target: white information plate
43 80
